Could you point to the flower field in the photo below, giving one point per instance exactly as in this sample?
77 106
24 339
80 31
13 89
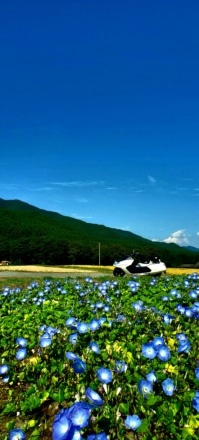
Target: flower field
111 359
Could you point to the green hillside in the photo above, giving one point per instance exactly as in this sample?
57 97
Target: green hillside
29 235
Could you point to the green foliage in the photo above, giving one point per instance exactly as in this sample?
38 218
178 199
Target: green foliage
44 381
30 235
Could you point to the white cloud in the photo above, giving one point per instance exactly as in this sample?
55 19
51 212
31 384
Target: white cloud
81 217
177 237
44 188
197 233
111 187
152 180
78 183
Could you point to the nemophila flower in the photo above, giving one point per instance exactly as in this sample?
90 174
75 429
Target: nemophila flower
62 427
173 292
104 375
5 379
80 417
181 337
4 369
184 347
151 377
180 309
21 341
168 318
21 354
77 435
193 294
100 436
195 401
79 366
132 422
107 309
16 434
163 353
165 298
148 350
157 341
94 397
102 320
120 367
70 355
145 387
94 347
71 322
121 318
82 327
197 373
94 324
188 312
73 338
45 342
168 387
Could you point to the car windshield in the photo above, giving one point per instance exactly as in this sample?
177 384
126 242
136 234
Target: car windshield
125 257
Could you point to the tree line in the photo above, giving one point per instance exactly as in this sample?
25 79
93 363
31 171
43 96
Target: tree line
29 237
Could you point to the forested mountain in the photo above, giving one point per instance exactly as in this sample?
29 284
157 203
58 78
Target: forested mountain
29 235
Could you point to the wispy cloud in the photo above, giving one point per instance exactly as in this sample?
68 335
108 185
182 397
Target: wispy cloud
111 188
78 183
43 188
177 237
81 217
152 180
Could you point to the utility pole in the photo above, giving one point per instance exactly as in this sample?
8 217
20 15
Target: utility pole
99 254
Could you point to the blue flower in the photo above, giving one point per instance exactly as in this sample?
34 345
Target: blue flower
73 338
62 427
71 322
195 401
5 379
104 375
4 369
94 324
70 355
120 366
80 417
21 341
151 377
16 434
197 373
93 396
132 422
148 350
82 327
100 436
163 353
184 347
20 354
79 366
94 347
181 337
157 341
145 387
168 387
45 342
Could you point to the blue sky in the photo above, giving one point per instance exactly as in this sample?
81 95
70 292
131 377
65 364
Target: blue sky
99 114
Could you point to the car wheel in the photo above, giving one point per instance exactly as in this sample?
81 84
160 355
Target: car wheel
118 272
